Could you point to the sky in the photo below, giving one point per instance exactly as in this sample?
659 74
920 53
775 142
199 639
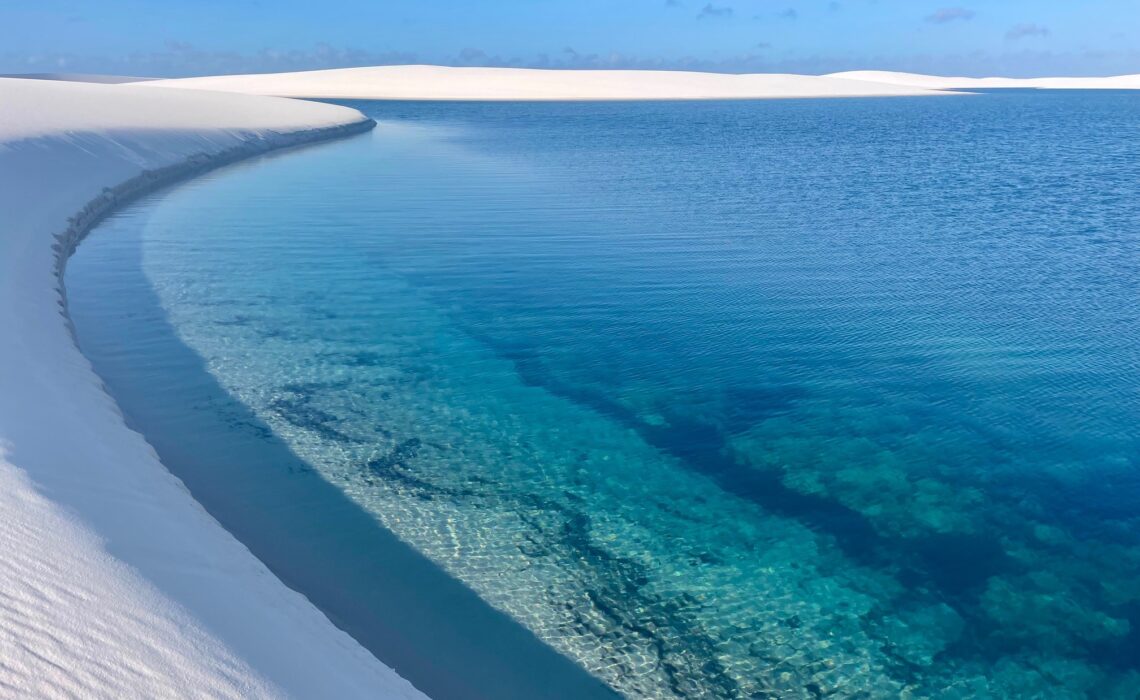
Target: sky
1015 38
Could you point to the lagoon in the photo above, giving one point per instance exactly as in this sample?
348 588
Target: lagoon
725 399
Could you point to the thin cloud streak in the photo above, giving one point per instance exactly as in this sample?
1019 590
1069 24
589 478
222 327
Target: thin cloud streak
950 14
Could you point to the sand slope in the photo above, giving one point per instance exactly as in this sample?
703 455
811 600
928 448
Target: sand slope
114 582
933 82
447 83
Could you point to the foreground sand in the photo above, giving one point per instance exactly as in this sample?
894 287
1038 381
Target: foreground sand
447 83
114 582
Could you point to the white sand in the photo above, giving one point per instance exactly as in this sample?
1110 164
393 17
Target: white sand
933 82
445 83
114 582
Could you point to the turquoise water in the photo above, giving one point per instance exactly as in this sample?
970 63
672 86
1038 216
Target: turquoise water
719 400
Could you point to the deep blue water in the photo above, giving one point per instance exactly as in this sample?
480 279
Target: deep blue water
771 399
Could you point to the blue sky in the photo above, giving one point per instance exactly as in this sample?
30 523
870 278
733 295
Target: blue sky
185 37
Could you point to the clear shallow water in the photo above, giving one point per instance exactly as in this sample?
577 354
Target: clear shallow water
775 399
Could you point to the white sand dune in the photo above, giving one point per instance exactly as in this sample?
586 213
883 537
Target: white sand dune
423 82
114 582
934 82
447 83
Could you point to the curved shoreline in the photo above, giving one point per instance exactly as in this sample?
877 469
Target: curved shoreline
148 181
404 608
114 581
125 193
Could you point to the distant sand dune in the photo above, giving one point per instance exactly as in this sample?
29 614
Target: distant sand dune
934 82
448 83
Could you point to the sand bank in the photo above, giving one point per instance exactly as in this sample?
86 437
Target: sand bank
934 82
114 582
448 83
